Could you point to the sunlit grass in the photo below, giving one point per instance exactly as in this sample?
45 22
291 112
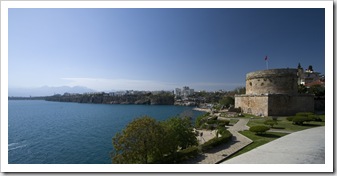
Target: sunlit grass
284 124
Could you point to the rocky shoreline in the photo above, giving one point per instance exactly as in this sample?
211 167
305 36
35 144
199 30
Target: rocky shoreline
143 99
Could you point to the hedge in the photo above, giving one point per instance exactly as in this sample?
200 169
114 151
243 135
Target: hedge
290 118
315 117
306 114
304 117
187 153
179 156
225 137
299 120
259 129
223 123
211 121
271 123
222 131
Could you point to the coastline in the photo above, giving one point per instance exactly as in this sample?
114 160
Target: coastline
202 109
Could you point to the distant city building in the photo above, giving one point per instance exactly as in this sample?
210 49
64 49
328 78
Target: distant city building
186 91
178 92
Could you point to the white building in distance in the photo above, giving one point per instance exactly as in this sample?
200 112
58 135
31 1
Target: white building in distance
184 92
307 76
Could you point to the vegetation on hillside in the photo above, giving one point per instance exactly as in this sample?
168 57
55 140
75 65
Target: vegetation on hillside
103 98
145 140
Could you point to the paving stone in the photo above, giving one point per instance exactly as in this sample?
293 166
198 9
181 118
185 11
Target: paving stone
221 152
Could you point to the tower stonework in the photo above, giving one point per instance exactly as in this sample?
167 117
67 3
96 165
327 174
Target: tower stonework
273 92
275 81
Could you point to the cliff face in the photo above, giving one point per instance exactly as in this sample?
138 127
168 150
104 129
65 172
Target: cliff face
160 99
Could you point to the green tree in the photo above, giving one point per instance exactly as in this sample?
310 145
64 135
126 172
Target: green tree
240 90
318 90
144 140
200 120
179 133
139 142
302 89
227 101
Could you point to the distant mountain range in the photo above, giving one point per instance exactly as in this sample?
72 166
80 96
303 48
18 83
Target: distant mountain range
46 91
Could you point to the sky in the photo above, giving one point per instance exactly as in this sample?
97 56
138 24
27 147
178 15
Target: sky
159 49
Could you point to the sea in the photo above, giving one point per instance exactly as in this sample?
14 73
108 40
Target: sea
45 132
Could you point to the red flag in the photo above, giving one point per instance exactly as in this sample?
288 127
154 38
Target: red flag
266 58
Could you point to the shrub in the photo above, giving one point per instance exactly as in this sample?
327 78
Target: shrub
306 114
200 121
223 123
212 121
271 123
225 137
315 117
222 131
179 156
187 153
259 129
203 126
290 118
299 120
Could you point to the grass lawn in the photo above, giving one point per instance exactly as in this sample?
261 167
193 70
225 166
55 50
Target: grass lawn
250 116
284 124
258 140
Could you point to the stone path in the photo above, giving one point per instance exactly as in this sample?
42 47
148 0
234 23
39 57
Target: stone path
219 153
302 147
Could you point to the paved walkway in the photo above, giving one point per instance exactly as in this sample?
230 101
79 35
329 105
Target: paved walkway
219 153
302 147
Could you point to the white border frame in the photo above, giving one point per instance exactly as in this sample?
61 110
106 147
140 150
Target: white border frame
327 167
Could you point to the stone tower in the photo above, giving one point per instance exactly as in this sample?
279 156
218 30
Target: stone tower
273 92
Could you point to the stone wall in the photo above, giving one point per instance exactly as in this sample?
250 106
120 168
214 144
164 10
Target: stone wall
252 104
273 81
289 104
274 104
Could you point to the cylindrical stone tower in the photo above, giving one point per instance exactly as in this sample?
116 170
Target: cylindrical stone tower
273 81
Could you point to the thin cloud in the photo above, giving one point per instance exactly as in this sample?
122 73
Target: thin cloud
101 84
210 84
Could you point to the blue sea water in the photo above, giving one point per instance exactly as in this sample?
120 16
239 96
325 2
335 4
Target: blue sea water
42 132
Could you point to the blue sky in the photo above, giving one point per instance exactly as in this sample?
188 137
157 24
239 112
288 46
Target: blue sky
158 49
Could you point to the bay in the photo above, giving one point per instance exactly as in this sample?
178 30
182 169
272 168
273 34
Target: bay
43 132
